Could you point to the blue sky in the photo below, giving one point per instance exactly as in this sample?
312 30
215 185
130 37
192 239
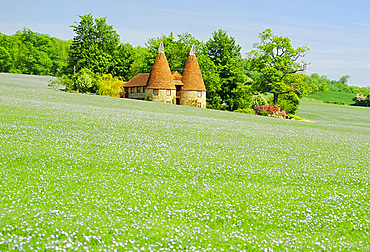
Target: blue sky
337 32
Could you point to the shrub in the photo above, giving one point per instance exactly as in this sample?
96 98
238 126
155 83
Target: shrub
108 85
271 110
288 102
362 100
257 100
63 80
85 81
246 111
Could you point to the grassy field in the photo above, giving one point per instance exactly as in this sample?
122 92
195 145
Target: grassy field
333 97
84 172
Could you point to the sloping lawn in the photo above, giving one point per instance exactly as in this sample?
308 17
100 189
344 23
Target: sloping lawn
333 97
83 172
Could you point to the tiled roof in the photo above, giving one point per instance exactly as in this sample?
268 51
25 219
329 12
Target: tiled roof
139 80
160 76
176 76
192 76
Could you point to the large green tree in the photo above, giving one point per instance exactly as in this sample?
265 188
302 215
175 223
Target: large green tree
226 55
277 65
94 46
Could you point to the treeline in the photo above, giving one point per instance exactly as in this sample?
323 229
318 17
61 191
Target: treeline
28 52
318 83
96 61
322 83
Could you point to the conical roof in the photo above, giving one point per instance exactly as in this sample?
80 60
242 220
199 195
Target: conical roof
192 76
160 75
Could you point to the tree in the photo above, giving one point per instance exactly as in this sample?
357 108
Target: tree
176 52
108 85
85 81
94 46
277 65
225 54
5 60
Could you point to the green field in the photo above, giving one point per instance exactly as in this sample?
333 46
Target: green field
84 172
333 97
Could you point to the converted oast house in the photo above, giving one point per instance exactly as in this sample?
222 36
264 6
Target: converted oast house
160 85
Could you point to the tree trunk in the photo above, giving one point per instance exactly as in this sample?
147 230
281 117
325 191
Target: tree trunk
276 96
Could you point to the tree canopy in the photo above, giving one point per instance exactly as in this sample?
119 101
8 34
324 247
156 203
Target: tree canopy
30 52
226 56
277 64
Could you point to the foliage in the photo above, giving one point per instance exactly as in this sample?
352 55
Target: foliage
276 63
245 111
226 56
5 60
85 81
124 61
176 52
108 85
55 83
148 98
362 100
316 83
95 46
257 100
29 52
323 84
288 102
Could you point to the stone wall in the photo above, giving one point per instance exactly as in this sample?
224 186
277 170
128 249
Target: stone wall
162 95
190 98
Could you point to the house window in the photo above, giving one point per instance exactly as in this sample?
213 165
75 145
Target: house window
155 91
199 93
132 90
139 89
168 91
144 89
199 105
168 102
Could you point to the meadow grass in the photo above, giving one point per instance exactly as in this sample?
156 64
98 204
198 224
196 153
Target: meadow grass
94 173
333 97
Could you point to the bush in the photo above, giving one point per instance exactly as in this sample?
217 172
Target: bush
257 100
85 81
362 100
108 85
246 111
271 110
64 80
288 102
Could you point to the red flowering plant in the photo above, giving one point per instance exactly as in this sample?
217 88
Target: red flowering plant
271 110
